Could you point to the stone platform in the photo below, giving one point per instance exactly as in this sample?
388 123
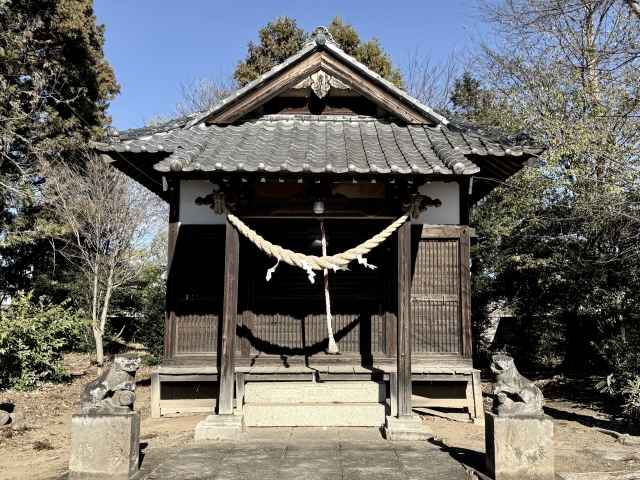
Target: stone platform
310 454
104 446
520 448
314 404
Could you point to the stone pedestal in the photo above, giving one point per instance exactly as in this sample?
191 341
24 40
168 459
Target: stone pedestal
104 446
219 427
406 429
519 448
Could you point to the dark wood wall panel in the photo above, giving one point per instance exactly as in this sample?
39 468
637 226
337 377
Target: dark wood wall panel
435 296
196 333
196 289
286 316
285 334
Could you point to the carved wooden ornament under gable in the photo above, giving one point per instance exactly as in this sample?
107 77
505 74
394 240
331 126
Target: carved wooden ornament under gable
321 82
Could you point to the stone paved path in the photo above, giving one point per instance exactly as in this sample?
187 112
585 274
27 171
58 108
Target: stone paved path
311 456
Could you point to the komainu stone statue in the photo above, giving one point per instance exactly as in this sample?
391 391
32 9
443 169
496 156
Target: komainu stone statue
112 392
515 395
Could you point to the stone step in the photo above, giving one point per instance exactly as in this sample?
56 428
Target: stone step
314 415
309 392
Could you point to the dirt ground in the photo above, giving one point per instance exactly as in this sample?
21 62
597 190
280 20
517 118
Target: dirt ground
39 447
585 437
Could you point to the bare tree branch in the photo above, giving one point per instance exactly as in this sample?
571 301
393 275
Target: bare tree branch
109 218
634 5
202 95
431 82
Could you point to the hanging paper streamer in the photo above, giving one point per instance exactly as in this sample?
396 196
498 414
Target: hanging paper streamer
363 261
272 270
310 273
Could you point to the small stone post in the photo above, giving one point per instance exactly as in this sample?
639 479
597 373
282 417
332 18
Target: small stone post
518 436
105 435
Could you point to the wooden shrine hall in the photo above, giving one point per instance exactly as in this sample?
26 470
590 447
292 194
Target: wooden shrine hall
319 151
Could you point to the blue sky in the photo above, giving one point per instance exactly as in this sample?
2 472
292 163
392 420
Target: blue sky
155 46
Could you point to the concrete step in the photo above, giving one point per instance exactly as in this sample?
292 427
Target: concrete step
314 415
308 392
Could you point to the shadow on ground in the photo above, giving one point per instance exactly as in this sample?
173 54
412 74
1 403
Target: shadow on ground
469 458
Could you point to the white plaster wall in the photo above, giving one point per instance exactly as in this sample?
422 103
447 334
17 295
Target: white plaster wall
190 213
446 214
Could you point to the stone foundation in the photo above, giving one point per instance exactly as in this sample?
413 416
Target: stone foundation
314 415
104 446
219 427
519 448
311 404
406 429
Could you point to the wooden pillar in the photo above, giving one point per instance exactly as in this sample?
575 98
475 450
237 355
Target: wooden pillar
172 239
403 364
465 292
229 314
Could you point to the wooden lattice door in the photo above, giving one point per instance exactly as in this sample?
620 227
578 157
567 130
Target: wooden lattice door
440 291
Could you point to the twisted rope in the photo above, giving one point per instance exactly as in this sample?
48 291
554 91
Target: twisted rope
338 261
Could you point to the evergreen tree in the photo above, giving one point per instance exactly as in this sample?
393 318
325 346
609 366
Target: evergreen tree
55 86
278 41
282 38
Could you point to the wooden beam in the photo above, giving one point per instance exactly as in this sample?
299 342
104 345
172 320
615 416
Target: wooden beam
155 395
393 394
385 100
172 239
441 231
477 398
240 384
464 201
403 364
257 97
465 293
229 318
305 67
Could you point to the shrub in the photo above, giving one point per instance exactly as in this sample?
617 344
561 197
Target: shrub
148 299
150 330
622 385
33 336
631 395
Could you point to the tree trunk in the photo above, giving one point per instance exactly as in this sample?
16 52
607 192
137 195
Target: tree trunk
97 336
100 323
95 322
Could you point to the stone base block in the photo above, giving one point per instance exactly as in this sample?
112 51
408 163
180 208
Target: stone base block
314 415
406 429
219 427
519 448
104 446
308 392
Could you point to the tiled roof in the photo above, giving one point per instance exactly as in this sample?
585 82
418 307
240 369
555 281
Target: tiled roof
303 143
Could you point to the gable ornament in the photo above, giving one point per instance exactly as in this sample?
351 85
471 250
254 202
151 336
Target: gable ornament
321 83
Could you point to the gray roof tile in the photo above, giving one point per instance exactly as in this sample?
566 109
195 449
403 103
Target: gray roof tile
295 143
